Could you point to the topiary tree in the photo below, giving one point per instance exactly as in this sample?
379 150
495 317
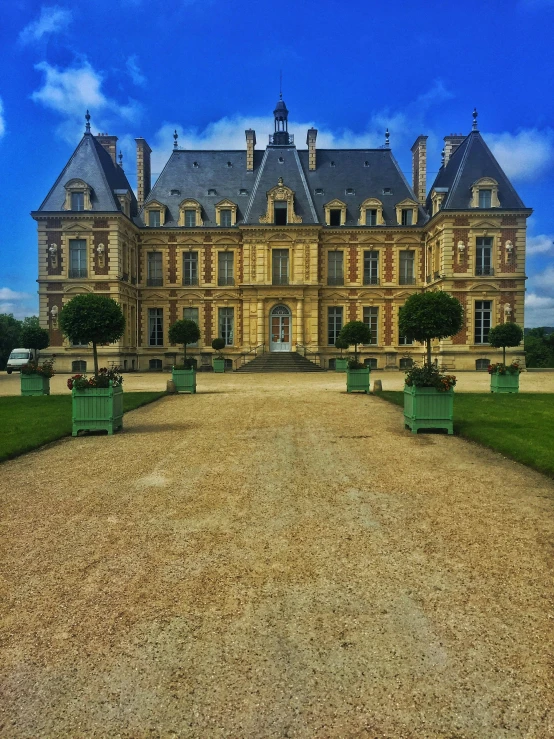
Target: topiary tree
505 334
218 344
92 319
341 344
184 332
428 316
34 337
355 332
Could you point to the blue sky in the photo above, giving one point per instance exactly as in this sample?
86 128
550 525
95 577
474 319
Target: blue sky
210 69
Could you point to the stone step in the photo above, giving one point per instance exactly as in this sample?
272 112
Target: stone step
280 362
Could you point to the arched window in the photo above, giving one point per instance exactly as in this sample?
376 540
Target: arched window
155 365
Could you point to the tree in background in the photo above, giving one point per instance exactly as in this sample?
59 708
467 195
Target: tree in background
184 332
428 316
355 332
32 336
539 348
92 319
10 328
503 335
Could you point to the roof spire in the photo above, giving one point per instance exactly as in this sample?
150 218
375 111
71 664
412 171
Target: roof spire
387 138
175 137
475 119
87 118
121 159
443 155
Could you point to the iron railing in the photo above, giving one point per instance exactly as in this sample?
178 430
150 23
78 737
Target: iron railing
369 280
154 282
406 280
279 280
245 356
225 281
335 280
308 353
78 272
479 271
190 281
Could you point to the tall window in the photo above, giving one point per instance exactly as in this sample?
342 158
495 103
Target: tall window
190 218
335 270
280 210
77 201
483 312
225 268
280 259
407 216
191 314
226 325
485 198
154 277
225 217
153 217
155 326
370 217
190 268
370 319
77 258
483 256
371 267
404 341
334 323
406 276
334 216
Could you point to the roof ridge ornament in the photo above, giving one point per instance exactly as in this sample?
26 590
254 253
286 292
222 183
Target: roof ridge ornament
121 159
443 155
475 114
387 139
175 137
87 118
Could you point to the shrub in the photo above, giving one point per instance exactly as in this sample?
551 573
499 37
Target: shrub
355 332
101 379
46 369
218 344
184 332
505 334
428 316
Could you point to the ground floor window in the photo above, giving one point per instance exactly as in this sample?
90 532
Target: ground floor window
370 319
226 324
155 364
371 362
191 314
406 363
483 313
155 326
78 366
482 364
404 341
334 324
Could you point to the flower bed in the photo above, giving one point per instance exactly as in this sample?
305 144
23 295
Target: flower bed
428 399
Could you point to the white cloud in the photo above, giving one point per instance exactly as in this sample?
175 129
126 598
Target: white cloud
2 119
539 310
52 19
540 244
525 155
72 90
19 303
134 71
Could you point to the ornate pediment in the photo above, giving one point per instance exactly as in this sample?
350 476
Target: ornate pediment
280 193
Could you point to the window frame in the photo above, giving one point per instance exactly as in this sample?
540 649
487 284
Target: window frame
154 269
373 262
338 261
483 254
371 320
223 260
226 327
405 279
280 257
333 321
186 317
155 326
479 321
77 272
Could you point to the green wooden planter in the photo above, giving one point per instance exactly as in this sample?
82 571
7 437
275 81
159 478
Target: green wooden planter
341 365
428 408
35 385
97 409
505 383
357 380
185 380
218 365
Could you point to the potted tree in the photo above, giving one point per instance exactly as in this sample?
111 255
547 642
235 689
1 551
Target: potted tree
341 362
429 394
357 375
505 379
35 377
97 402
218 362
184 375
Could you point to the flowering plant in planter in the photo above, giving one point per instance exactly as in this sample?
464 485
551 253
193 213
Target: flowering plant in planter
355 365
429 375
101 380
46 369
498 368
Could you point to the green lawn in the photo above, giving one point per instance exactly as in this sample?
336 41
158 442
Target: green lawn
519 426
27 423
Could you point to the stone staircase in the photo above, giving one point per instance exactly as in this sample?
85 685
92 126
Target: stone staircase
280 362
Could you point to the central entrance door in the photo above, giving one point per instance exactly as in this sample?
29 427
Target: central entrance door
280 329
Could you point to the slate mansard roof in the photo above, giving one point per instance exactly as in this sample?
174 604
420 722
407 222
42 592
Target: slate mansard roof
91 163
365 173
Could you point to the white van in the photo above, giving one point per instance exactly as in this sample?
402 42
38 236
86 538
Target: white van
19 357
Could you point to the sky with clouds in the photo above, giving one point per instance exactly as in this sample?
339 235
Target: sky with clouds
210 69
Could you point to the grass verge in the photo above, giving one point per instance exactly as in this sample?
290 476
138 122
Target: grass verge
520 426
29 422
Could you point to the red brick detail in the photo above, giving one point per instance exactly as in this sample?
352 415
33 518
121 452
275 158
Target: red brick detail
508 234
172 239
461 263
100 223
509 283
389 263
53 223
353 293
509 298
54 237
461 284
101 286
173 293
461 336
461 221
55 286
352 311
353 237
172 313
509 221
208 271
207 239
388 323
353 270
56 336
208 323
172 257
100 237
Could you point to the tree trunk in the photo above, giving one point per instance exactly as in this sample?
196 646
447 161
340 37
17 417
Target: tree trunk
95 355
185 356
504 356
429 352
356 353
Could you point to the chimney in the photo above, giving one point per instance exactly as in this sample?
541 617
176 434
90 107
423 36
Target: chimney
143 171
419 168
310 140
451 143
250 144
109 144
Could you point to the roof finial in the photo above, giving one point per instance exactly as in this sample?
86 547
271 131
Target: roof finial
121 159
387 137
475 119
87 118
175 137
443 155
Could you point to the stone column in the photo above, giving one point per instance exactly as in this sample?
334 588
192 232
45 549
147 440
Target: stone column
261 319
300 322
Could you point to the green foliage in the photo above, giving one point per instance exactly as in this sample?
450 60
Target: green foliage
92 319
539 348
184 332
428 316
505 334
429 376
218 344
10 328
34 337
30 422
355 332
341 344
46 368
101 379
518 426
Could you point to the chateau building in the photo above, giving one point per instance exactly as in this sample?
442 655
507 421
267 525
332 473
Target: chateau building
274 249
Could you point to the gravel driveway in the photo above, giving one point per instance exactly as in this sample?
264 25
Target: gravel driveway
274 558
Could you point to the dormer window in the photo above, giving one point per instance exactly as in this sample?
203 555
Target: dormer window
484 193
154 214
280 214
190 218
77 195
406 212
280 206
190 213
77 201
485 198
226 214
154 218
371 213
407 217
349 191
334 216
335 213
211 191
